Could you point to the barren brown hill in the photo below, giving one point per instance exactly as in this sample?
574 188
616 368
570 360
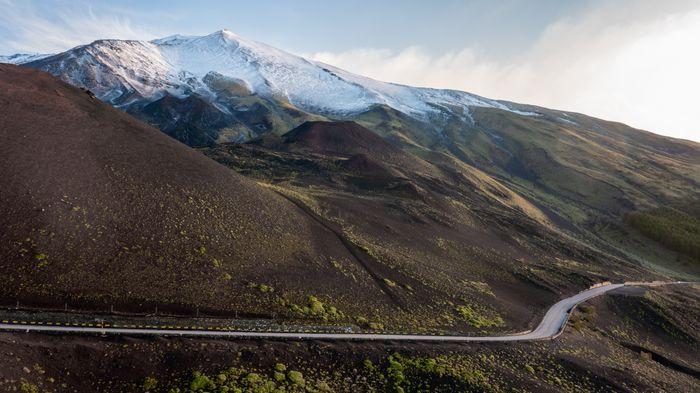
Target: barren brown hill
97 208
343 138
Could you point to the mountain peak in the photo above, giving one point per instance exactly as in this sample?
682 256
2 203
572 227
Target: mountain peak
178 65
176 39
172 39
224 34
21 58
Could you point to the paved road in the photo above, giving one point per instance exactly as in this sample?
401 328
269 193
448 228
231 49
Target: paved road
551 326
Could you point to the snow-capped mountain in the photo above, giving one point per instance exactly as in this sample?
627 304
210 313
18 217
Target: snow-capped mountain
21 58
243 87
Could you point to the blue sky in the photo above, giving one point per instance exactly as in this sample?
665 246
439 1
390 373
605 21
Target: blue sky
626 60
309 26
312 25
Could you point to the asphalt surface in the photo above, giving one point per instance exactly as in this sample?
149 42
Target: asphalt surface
551 326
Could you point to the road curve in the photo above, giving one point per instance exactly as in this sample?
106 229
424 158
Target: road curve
551 326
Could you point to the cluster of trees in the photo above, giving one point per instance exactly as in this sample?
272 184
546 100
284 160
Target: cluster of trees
675 229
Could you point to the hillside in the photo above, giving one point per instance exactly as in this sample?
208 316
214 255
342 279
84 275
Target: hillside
418 201
440 235
584 173
102 212
99 209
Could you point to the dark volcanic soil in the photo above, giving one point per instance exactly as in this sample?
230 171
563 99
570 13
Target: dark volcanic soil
99 209
342 138
337 225
443 234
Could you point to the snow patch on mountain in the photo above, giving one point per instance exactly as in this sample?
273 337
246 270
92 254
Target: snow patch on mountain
21 58
127 72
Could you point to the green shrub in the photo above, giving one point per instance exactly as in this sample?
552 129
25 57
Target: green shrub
26 387
252 379
322 386
279 377
376 326
201 383
476 319
149 383
395 371
316 306
317 309
296 378
261 287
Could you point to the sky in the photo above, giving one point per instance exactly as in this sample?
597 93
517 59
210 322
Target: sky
634 61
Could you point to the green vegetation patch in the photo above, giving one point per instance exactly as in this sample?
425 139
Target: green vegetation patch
42 260
315 308
264 288
399 373
393 373
479 286
478 319
149 383
240 380
677 230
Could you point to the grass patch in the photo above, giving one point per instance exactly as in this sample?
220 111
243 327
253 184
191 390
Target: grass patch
315 308
677 230
261 287
393 373
149 383
260 381
477 319
479 286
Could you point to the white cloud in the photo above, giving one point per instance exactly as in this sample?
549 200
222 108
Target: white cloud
627 62
56 26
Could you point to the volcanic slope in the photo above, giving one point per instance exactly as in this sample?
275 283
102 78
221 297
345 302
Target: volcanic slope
336 226
587 174
98 209
454 246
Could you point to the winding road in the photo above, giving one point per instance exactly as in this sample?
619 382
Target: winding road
551 326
